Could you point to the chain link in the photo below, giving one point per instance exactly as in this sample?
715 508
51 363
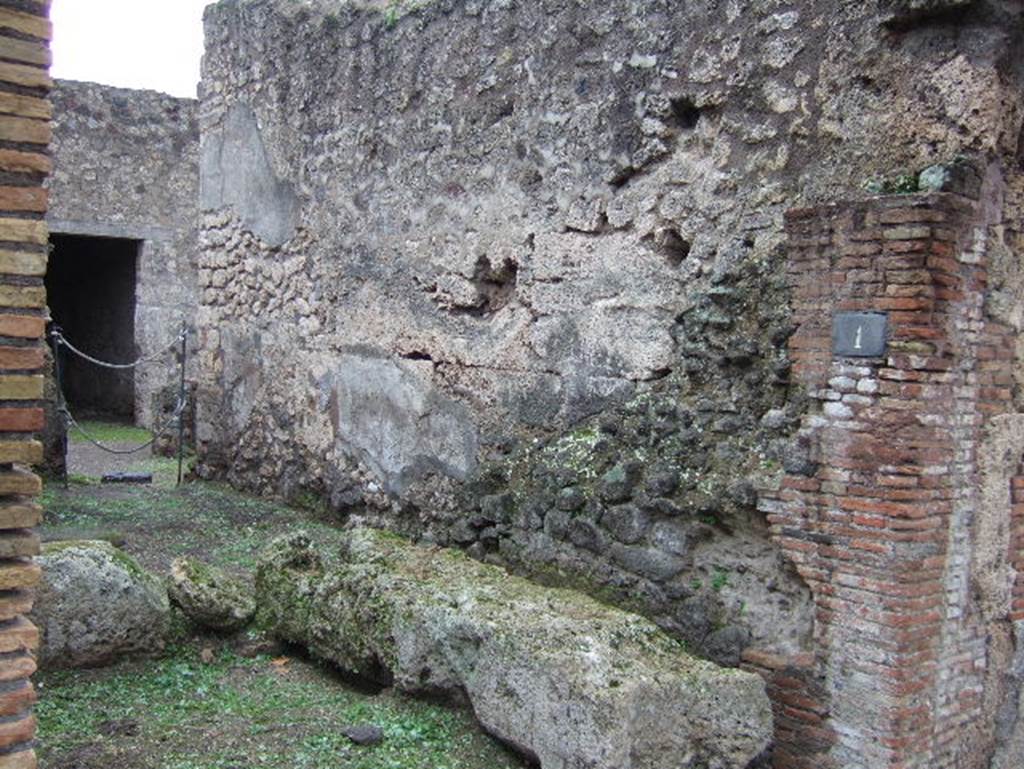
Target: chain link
59 338
174 419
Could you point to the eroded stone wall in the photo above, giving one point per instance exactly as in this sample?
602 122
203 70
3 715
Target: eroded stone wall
126 166
513 276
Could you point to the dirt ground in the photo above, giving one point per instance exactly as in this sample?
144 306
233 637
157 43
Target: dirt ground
220 702
85 459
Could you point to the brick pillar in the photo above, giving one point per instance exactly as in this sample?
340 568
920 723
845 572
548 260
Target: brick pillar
24 165
884 530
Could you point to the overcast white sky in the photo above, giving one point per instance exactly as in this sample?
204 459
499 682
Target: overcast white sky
152 44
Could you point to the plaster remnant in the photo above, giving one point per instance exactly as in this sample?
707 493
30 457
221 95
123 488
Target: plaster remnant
236 172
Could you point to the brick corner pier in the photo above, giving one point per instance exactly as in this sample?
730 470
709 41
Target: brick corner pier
25 84
909 529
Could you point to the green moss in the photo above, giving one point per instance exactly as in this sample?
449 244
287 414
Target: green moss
130 565
204 575
719 579
396 9
59 546
121 558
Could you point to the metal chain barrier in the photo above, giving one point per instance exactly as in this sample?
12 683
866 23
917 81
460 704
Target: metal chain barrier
72 422
176 419
60 339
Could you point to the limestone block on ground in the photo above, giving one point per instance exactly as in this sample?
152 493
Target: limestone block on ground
95 604
559 676
210 597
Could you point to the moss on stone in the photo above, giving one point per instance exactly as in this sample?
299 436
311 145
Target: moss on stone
104 548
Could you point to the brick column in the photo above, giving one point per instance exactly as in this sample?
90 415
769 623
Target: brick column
24 165
884 530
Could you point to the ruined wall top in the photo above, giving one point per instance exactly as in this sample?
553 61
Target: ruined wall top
123 158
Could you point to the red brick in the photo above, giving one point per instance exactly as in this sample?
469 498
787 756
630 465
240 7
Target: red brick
15 481
17 700
17 667
922 215
18 543
805 716
24 451
763 659
22 759
16 574
19 515
26 130
22 326
25 162
904 303
18 635
14 603
27 23
21 420
798 700
23 199
16 732
800 484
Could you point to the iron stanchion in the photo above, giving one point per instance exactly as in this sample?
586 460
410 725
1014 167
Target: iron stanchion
181 400
58 375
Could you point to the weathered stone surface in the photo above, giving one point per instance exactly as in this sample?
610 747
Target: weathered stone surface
627 523
210 597
1009 751
403 428
236 173
554 237
126 166
558 675
96 605
364 734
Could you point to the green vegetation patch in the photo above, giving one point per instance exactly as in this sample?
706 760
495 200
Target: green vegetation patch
109 433
182 713
208 521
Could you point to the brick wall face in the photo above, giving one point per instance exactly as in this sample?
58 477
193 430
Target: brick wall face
886 530
24 165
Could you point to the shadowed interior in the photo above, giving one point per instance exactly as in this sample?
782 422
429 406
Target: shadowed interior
90 287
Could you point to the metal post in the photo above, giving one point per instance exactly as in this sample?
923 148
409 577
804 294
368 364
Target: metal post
180 408
58 375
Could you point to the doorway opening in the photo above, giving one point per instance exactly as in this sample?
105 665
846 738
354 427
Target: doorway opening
90 288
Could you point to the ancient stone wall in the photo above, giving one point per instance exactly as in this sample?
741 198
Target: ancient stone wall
517 277
126 166
24 164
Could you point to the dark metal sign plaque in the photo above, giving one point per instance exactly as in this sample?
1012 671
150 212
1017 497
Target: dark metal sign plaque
860 334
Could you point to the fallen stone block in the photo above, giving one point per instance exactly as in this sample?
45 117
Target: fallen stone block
95 604
562 678
210 597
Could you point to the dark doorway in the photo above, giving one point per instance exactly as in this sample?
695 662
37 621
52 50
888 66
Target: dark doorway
90 287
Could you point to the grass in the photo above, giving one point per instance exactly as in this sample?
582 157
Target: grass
109 433
233 712
157 523
229 712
